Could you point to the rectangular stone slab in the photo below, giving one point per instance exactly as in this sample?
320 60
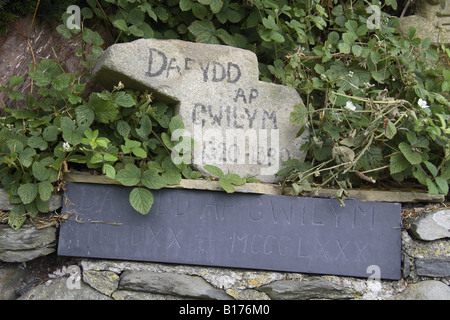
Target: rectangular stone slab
268 232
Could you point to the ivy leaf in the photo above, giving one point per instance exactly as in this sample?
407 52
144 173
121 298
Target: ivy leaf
129 176
27 192
141 200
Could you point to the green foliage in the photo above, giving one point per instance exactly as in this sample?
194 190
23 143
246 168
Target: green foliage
227 181
377 105
117 133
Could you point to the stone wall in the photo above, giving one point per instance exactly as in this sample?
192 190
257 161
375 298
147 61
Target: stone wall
31 270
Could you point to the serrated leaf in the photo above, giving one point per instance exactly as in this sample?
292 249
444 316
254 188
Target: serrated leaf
442 184
106 111
141 200
226 185
172 177
39 171
45 190
214 170
299 116
129 176
234 179
37 142
15 81
413 157
123 99
391 130
431 167
176 123
152 180
432 188
26 157
50 133
123 128
109 171
17 217
398 163
139 152
204 31
27 192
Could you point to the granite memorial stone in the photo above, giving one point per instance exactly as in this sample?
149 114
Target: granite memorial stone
239 123
269 232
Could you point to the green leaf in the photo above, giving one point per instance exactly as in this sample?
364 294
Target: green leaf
214 170
442 184
299 116
106 111
413 157
50 133
234 179
109 171
172 177
129 176
27 192
141 200
432 189
431 167
152 180
123 128
26 157
226 185
176 123
15 81
139 152
204 31
17 217
391 130
39 171
37 142
398 163
45 189
124 99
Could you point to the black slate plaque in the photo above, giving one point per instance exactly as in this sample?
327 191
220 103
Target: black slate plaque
280 233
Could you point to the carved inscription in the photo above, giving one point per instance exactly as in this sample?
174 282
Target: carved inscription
238 230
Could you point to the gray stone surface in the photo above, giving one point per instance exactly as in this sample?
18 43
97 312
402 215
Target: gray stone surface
57 289
27 243
11 276
433 267
432 225
171 284
425 290
105 282
431 19
216 91
315 288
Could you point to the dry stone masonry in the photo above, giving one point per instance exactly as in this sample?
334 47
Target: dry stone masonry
238 122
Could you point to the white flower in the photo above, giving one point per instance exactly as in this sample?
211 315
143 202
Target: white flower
66 146
423 104
350 106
